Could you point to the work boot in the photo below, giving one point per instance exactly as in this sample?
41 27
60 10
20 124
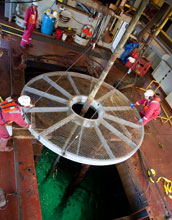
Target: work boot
30 45
23 47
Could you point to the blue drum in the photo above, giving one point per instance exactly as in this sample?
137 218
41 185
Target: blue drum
47 26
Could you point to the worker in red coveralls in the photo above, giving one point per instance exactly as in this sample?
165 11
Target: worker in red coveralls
30 21
10 111
151 105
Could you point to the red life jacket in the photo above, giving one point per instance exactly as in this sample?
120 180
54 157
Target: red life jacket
32 19
145 106
146 103
7 106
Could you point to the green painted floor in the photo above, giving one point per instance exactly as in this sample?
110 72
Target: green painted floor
99 197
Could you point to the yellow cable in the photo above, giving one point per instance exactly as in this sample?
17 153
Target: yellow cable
167 182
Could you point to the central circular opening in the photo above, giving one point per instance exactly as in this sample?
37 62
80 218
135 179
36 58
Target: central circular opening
91 113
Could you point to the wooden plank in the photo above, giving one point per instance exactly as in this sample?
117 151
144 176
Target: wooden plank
28 183
21 133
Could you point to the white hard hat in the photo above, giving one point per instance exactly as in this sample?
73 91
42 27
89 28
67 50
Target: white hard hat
149 93
35 3
55 14
24 100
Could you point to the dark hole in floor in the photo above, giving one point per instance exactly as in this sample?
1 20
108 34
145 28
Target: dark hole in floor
106 183
34 69
100 195
91 113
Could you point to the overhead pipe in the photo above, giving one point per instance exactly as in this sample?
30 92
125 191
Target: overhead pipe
83 7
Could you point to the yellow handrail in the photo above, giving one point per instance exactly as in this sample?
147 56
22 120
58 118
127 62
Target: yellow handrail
9 32
11 27
150 86
164 22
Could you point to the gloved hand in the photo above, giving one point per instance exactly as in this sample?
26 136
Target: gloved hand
31 105
140 120
25 27
30 126
132 105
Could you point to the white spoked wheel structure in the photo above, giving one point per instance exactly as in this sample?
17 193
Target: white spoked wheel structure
107 134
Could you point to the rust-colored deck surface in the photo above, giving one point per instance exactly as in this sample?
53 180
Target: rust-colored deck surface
31 209
156 146
7 183
28 190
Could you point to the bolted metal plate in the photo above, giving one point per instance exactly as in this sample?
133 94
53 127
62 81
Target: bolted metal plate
107 135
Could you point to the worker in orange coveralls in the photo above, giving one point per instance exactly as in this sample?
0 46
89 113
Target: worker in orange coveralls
151 105
30 21
10 111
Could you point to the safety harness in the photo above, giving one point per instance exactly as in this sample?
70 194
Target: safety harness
6 107
33 17
145 106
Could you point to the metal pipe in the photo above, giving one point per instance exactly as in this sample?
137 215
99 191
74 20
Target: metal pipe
122 3
83 7
115 55
10 12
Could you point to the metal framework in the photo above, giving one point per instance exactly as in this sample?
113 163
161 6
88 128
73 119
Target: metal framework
109 133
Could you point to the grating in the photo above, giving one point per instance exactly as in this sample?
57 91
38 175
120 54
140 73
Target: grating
107 135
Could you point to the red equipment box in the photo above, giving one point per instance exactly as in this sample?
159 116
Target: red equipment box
141 65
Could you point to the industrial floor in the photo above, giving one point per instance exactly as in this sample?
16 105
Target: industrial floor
156 147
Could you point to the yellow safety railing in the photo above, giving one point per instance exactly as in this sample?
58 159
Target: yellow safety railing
167 118
150 86
9 32
163 119
168 15
2 24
